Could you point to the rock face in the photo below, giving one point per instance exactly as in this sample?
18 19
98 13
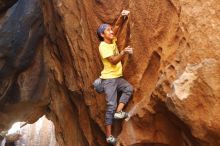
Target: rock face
23 76
5 4
48 69
41 133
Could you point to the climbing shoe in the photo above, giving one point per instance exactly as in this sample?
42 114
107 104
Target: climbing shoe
120 115
111 140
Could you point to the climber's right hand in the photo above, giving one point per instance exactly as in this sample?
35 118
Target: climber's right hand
125 13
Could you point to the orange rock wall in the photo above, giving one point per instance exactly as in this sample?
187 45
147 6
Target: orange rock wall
168 36
174 70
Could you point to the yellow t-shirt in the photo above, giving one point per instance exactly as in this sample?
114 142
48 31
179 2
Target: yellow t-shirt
110 71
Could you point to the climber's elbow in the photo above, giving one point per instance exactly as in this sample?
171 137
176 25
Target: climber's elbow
114 63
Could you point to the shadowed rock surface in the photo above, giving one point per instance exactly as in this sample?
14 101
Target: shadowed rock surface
22 70
174 70
5 4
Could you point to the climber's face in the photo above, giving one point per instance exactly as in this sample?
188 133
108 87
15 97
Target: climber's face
108 33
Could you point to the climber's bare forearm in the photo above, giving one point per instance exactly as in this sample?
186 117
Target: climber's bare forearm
118 24
116 59
120 20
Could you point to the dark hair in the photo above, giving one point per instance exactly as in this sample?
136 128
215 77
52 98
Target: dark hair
99 36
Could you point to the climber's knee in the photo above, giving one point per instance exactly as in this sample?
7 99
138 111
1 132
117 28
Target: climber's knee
130 89
127 94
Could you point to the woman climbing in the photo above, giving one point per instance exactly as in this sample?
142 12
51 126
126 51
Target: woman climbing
111 75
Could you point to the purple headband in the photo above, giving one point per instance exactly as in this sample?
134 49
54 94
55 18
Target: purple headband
102 28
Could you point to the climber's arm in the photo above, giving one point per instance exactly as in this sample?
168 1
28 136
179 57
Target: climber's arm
117 24
120 20
117 58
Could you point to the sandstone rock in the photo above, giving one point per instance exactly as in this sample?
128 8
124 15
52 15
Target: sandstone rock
174 70
195 99
40 133
23 93
5 4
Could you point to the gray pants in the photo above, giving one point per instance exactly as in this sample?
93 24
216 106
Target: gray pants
111 87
